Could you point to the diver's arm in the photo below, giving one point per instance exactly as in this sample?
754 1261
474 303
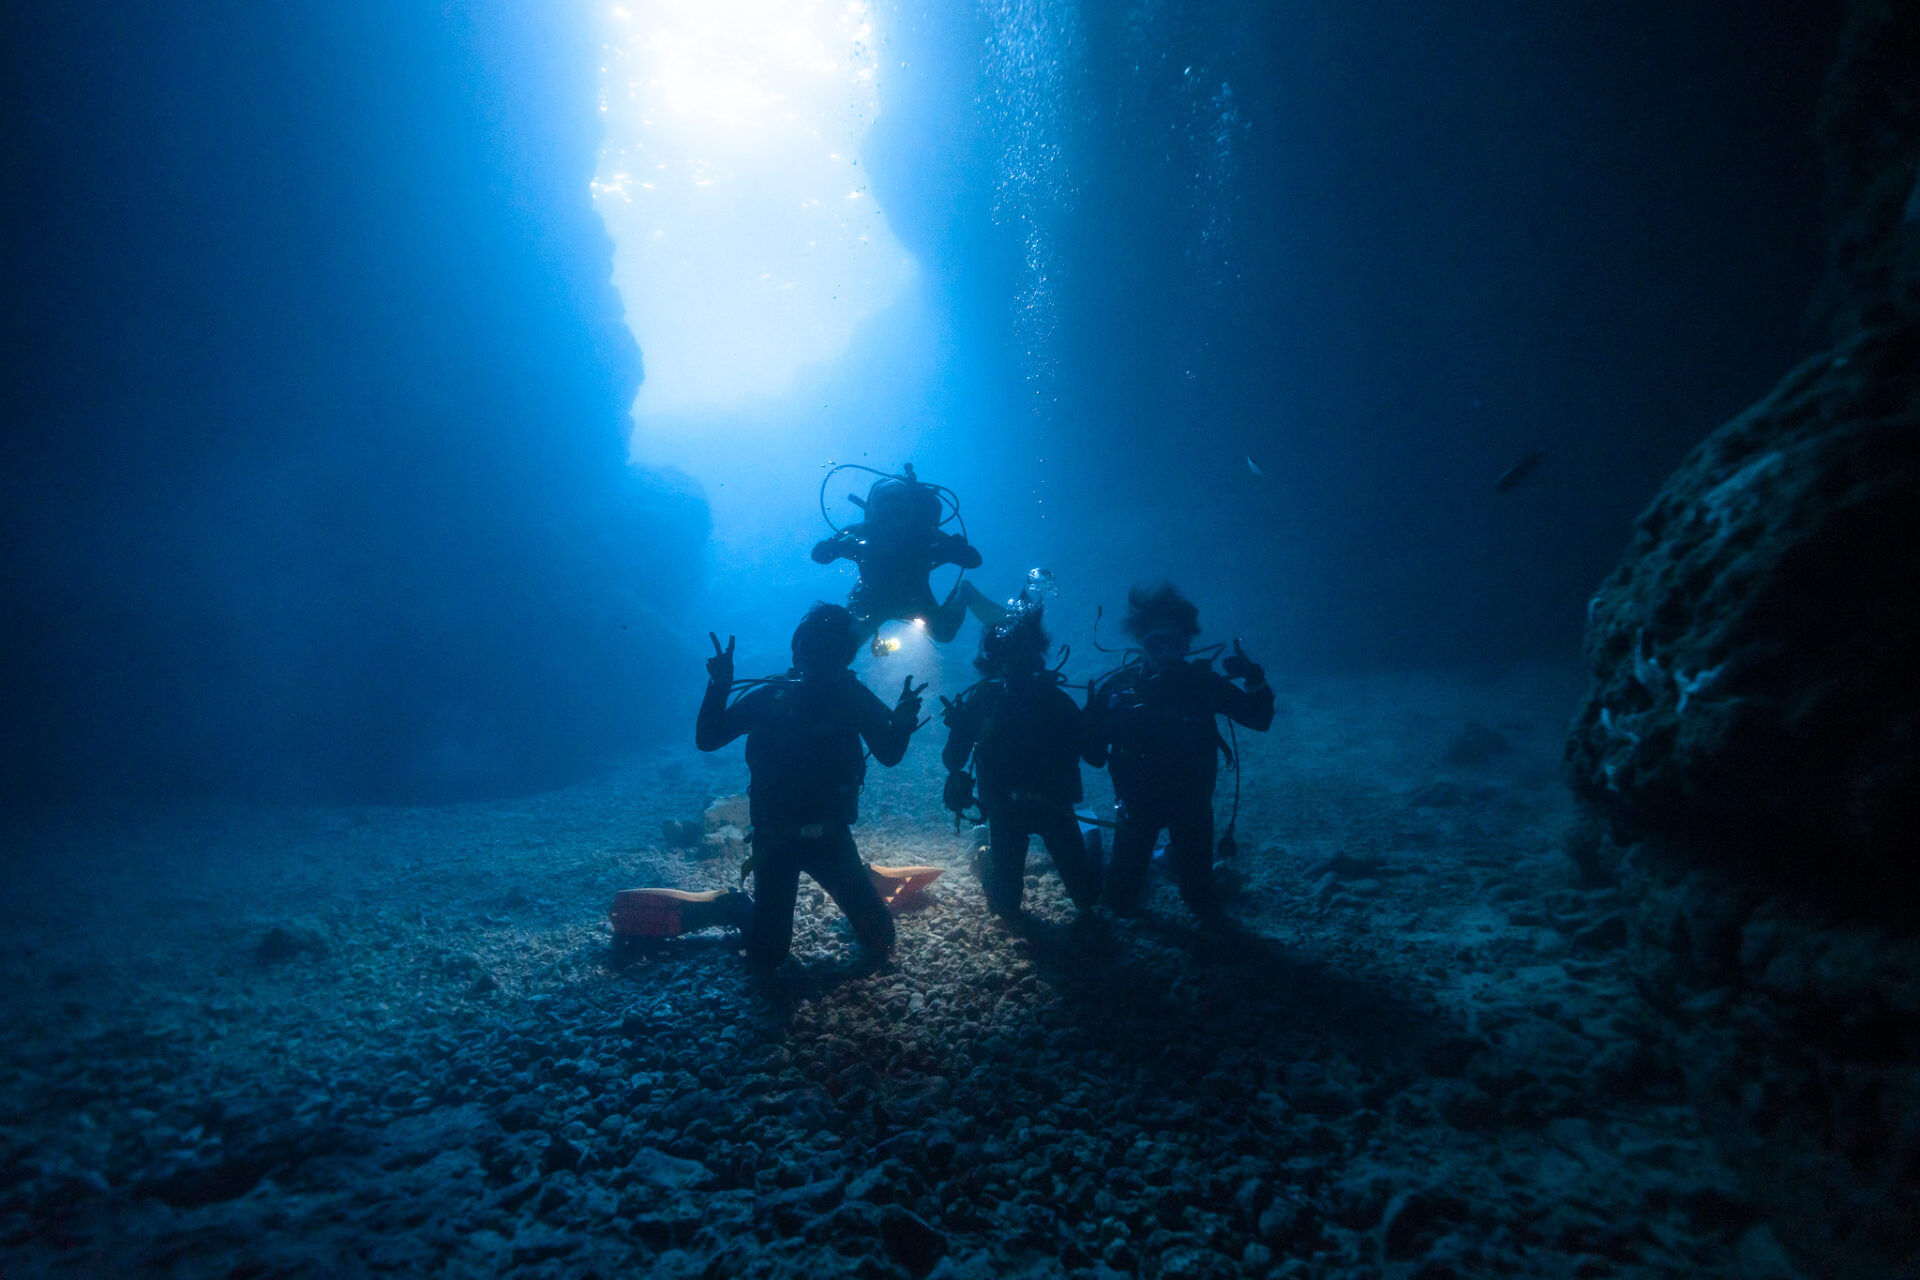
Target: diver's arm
1065 730
841 546
886 731
1251 706
1093 735
954 549
719 723
960 738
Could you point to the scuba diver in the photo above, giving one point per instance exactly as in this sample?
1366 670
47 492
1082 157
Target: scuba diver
1024 735
805 765
896 546
1152 723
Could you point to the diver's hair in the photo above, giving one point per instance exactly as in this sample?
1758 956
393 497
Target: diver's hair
825 639
1160 607
1022 630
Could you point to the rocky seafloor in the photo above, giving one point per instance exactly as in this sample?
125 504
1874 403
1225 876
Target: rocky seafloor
398 1041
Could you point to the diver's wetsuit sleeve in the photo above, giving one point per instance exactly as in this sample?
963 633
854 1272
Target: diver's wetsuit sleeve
1251 706
1093 728
886 734
954 549
719 723
963 730
841 546
1064 742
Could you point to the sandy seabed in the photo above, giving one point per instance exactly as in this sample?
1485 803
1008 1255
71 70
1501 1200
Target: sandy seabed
258 1043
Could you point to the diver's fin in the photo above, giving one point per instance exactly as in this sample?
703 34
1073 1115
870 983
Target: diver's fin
668 913
897 884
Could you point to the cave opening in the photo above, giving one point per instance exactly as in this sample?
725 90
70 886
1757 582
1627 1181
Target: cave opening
748 241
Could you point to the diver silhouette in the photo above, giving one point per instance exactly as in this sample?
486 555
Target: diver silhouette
805 769
1023 733
900 541
1152 723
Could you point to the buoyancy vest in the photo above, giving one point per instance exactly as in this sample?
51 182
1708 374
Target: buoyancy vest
1028 740
804 753
1160 725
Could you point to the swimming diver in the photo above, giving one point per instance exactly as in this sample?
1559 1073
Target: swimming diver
1024 735
895 547
1152 723
805 767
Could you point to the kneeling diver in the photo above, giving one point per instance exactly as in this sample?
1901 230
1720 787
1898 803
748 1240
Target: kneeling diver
805 765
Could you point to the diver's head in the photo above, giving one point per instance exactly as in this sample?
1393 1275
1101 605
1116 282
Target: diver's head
1164 647
1162 620
1018 642
902 502
825 640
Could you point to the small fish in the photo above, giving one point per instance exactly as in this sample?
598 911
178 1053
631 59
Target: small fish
1515 475
1254 467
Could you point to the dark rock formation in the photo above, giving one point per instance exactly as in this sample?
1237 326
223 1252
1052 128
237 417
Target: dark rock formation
1754 681
1800 1037
284 942
1750 732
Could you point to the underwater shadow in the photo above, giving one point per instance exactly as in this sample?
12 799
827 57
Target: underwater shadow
624 953
1141 986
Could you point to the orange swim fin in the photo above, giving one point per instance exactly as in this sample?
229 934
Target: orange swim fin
668 913
897 884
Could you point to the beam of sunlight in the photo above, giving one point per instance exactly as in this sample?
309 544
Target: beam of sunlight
747 243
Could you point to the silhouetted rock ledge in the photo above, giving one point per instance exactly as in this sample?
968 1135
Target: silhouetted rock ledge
1752 657
1749 735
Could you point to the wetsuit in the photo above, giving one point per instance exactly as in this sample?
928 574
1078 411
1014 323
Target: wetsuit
1025 734
1155 730
894 562
806 766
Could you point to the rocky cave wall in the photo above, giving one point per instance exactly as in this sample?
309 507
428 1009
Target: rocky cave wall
1749 737
314 478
